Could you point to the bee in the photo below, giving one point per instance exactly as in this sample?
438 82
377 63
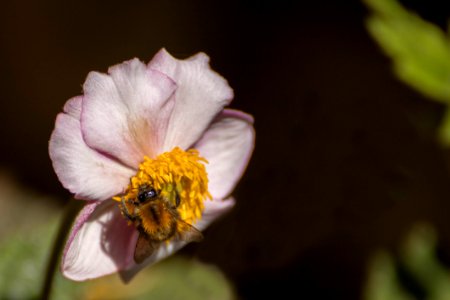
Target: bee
157 220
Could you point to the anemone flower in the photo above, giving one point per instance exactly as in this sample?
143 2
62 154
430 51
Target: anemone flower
155 133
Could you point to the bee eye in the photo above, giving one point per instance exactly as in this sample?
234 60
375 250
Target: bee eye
146 195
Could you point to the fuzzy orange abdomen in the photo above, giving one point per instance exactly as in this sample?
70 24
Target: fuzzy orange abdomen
157 221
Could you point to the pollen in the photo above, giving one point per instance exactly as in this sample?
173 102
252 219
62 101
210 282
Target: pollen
174 174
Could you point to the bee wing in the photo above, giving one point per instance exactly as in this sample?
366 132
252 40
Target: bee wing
186 232
144 248
189 233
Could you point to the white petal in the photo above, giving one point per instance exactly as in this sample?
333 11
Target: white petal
83 171
100 243
200 95
125 114
227 145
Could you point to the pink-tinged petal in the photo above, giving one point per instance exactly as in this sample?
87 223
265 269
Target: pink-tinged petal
82 217
100 243
82 170
213 210
201 94
73 107
227 145
125 114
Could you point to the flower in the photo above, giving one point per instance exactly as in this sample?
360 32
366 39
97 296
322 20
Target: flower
162 125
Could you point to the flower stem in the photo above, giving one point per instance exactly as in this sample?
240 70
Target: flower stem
70 213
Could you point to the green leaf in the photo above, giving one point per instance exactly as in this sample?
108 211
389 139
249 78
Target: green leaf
420 50
383 282
419 256
444 130
23 260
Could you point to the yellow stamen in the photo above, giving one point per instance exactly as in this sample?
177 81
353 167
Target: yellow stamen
171 173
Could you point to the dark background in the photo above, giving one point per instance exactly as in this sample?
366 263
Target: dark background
346 158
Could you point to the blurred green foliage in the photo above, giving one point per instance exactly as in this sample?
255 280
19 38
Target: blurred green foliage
417 257
420 52
383 283
22 263
23 260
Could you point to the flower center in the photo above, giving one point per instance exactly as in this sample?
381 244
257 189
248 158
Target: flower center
178 176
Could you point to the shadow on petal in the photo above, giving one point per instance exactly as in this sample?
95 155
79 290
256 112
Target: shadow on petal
118 239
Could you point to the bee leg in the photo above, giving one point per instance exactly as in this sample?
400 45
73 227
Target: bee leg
125 211
177 199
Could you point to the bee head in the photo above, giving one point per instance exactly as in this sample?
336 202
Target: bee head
146 193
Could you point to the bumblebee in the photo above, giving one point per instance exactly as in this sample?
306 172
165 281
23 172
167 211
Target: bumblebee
157 220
